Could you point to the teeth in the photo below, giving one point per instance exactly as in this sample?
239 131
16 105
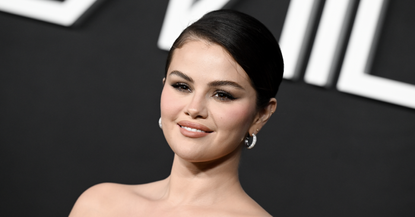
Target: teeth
193 130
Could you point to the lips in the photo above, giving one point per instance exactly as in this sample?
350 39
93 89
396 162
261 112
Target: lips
193 130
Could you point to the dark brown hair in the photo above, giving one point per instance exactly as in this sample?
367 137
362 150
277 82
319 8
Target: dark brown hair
248 41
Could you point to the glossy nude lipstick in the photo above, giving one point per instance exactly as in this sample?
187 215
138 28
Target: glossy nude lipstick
193 130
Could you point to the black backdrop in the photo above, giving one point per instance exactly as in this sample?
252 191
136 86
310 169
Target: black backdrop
80 105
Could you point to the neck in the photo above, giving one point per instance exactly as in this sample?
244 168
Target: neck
201 182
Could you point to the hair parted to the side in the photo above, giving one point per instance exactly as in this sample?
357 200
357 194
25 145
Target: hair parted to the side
248 41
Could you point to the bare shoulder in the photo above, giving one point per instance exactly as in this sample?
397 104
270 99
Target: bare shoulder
95 200
247 207
111 199
253 211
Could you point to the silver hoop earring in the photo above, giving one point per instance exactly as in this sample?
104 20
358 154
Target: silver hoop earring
161 126
253 142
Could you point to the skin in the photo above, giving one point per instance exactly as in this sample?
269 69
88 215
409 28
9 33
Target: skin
204 89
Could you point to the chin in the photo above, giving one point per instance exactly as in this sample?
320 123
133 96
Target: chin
190 153
198 155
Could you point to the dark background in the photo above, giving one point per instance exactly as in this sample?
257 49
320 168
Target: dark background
80 105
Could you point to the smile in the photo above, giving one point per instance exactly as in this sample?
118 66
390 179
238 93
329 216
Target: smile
193 130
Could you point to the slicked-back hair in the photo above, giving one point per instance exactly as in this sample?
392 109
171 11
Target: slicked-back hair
248 41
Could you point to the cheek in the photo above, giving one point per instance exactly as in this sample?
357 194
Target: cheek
237 117
168 103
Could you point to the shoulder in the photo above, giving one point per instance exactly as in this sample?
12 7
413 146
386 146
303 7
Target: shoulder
104 199
252 211
105 192
245 206
94 200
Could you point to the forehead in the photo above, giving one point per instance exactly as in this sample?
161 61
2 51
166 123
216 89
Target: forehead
207 60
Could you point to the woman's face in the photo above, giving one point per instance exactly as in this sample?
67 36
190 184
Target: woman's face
208 104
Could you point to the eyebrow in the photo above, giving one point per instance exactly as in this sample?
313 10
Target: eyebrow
225 83
182 75
211 84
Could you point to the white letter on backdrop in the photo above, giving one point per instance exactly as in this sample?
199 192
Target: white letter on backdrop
325 55
180 14
63 13
359 56
296 33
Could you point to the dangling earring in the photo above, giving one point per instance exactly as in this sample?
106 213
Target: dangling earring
250 146
161 126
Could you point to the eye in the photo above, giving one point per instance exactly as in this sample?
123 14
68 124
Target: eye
181 87
223 96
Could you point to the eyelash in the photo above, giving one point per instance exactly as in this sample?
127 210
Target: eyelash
219 94
224 96
181 87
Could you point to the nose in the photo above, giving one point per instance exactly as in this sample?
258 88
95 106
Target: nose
197 107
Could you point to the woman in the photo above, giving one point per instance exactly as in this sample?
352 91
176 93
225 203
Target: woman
222 75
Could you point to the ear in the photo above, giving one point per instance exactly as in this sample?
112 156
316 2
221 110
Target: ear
263 116
164 80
